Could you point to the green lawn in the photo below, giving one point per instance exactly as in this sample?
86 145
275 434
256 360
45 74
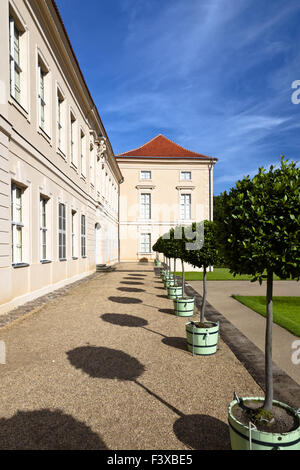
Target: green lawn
286 310
219 274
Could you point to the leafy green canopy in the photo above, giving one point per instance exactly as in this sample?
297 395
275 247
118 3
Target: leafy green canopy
259 224
207 255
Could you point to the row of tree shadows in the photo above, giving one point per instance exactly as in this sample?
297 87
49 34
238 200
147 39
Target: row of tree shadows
54 430
196 431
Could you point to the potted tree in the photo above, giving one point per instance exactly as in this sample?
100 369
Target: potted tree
183 305
258 234
161 247
202 336
174 290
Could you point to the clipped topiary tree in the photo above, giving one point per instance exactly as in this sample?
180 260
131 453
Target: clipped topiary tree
258 234
204 256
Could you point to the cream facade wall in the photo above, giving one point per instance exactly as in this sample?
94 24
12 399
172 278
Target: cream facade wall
165 188
59 154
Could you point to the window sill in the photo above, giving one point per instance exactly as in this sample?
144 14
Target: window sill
62 259
20 265
62 154
44 135
75 168
45 261
84 257
74 258
19 107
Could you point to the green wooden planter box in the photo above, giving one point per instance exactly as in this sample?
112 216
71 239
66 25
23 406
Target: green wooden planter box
169 282
184 306
174 292
202 341
243 439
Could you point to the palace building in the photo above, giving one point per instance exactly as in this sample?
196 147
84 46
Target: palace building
67 203
164 185
59 180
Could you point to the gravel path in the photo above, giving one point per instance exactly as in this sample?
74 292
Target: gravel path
105 366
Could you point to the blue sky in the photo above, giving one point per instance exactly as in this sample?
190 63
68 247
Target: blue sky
215 76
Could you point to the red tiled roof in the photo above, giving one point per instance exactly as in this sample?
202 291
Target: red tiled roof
160 146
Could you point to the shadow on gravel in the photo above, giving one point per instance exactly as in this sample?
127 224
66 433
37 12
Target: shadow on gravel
125 300
129 283
202 432
128 320
47 430
124 320
133 278
176 342
106 363
139 275
163 296
130 289
169 311
195 431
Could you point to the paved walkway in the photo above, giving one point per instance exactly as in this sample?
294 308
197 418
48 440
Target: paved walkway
105 366
251 323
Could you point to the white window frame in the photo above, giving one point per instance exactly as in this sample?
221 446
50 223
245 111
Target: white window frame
15 65
62 232
73 139
42 97
185 208
143 173
83 153
74 234
43 229
145 206
60 128
17 225
83 235
145 243
185 172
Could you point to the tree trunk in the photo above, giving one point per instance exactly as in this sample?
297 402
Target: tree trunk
268 346
175 270
202 316
182 262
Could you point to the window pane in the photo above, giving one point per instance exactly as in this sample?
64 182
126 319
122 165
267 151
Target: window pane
146 175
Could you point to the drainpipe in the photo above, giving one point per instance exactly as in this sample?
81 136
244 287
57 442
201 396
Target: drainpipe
119 258
210 166
209 190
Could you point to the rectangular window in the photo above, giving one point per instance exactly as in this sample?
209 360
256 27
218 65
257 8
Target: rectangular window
43 228
145 175
83 237
82 151
146 206
73 137
185 175
74 250
145 243
41 97
15 69
62 232
17 224
185 206
60 129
